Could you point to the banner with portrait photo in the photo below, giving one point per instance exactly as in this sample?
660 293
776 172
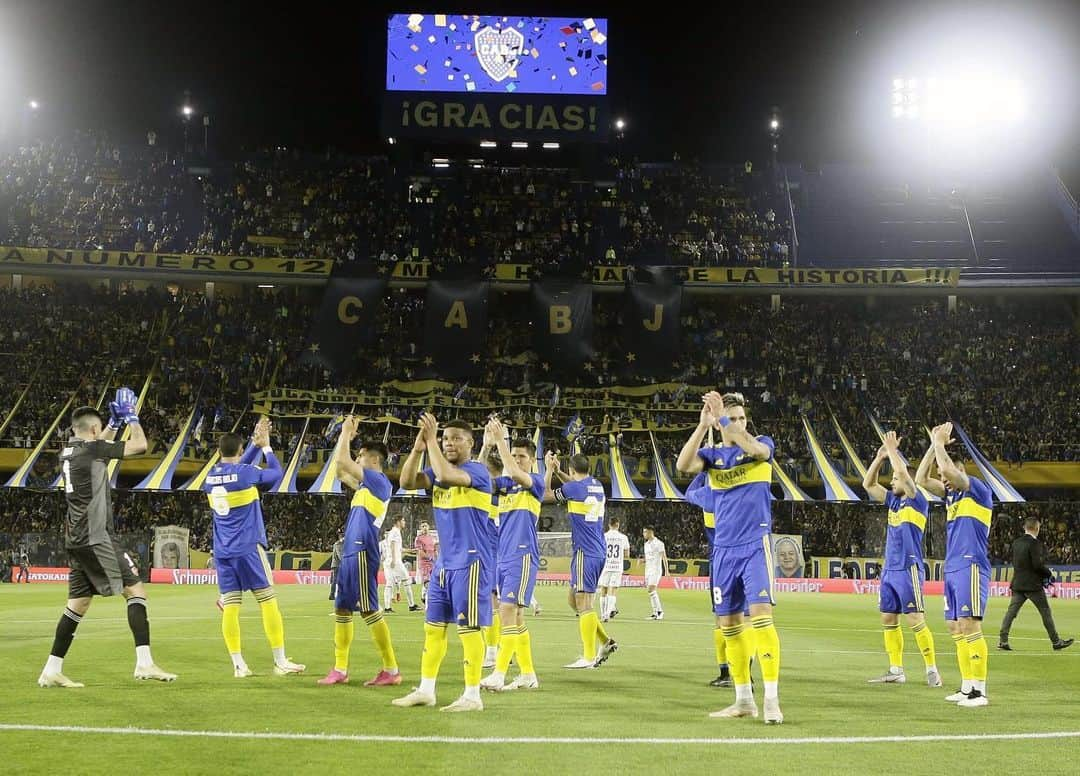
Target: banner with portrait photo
171 548
787 556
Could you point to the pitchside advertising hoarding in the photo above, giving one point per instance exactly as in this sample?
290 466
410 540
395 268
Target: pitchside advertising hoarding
531 78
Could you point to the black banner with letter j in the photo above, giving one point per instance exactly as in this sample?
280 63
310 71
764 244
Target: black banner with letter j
455 329
651 328
562 324
345 322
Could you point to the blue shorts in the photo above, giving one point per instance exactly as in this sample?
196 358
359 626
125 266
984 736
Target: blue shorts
459 596
244 572
358 583
517 580
741 577
901 590
585 571
966 591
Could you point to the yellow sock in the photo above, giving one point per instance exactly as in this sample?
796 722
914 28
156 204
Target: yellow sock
507 645
496 630
435 643
963 656
740 648
925 639
230 627
894 645
272 624
768 647
343 636
380 634
721 646
978 655
524 651
587 623
472 644
485 632
601 634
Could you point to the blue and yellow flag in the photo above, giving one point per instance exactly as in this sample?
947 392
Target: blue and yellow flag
415 492
327 481
792 492
1005 492
835 487
18 479
849 449
665 487
881 435
288 479
622 484
161 477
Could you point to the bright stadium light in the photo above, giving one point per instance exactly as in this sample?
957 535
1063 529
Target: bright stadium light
519 144
774 125
488 144
551 146
187 110
34 105
620 124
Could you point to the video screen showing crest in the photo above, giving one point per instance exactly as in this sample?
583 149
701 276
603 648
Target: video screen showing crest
527 54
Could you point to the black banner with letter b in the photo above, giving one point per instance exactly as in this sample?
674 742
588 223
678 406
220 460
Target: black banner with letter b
345 321
455 329
562 323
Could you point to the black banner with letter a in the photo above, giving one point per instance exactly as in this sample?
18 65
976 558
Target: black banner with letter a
345 322
455 330
652 329
562 325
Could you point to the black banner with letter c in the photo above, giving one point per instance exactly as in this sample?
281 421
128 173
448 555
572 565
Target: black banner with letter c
345 321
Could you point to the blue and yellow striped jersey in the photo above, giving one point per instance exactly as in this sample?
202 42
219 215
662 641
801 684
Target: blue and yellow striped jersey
233 492
367 510
967 526
463 518
742 500
585 504
519 516
904 535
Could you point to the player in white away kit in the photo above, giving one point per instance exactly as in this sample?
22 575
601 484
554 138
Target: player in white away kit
618 546
397 576
655 567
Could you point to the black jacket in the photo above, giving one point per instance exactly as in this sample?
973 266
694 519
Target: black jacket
1030 571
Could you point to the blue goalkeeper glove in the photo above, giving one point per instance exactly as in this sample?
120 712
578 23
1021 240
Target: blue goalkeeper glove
115 420
125 401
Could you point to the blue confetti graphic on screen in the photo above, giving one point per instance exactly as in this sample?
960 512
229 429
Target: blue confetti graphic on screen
507 54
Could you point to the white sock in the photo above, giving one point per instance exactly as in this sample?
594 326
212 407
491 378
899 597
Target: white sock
611 605
931 669
427 686
896 669
654 597
408 591
771 690
279 655
979 684
965 686
238 660
497 676
142 656
54 665
744 692
388 596
472 692
491 653
534 603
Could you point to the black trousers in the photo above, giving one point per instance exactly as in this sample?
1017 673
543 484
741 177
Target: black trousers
1037 597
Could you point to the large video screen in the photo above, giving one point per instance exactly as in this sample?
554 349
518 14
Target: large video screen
505 54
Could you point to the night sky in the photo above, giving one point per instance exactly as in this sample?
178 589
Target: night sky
312 74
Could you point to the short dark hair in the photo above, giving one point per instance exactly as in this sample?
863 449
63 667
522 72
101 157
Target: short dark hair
526 443
80 417
464 425
613 521
579 463
734 399
230 445
648 528
376 447
1031 522
494 460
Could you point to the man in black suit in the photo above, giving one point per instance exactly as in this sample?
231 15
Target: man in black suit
1030 576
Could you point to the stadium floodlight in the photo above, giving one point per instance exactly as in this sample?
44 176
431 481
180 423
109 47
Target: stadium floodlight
963 100
187 110
620 124
519 144
774 124
488 144
34 105
391 140
551 146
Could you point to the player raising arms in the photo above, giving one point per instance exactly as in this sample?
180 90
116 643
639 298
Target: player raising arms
518 556
358 584
232 487
584 498
969 505
461 501
99 565
903 576
741 566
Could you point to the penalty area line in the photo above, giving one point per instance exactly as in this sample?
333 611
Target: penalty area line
270 736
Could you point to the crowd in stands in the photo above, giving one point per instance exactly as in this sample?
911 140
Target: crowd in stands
87 192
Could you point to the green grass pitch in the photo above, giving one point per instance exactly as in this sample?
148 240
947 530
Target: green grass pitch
653 693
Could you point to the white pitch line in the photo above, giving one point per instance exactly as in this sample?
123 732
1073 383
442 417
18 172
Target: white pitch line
126 731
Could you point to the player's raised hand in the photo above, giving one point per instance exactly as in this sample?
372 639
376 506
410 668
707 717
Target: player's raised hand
419 444
116 417
429 427
891 442
261 435
349 426
942 434
551 460
882 452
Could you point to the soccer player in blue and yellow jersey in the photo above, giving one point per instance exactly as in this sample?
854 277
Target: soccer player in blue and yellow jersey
461 502
232 487
358 584
585 500
969 505
518 556
903 577
700 495
741 565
